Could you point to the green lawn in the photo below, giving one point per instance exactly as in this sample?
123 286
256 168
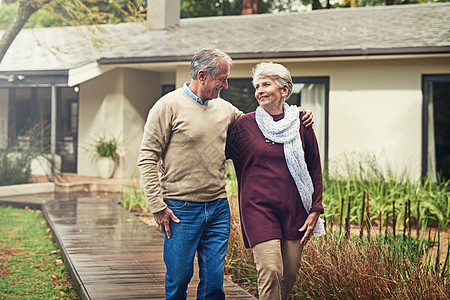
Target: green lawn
31 265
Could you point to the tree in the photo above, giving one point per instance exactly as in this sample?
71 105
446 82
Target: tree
26 9
67 13
249 7
207 8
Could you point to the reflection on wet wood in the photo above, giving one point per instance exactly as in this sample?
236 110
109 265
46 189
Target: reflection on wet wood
113 254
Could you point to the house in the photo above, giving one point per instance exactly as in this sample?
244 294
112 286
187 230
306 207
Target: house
376 78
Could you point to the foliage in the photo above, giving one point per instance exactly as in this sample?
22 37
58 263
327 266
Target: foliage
77 12
105 147
87 12
239 263
364 3
16 160
133 198
384 267
60 12
385 192
207 8
7 13
31 265
334 268
14 168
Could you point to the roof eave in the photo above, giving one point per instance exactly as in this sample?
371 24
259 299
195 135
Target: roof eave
287 54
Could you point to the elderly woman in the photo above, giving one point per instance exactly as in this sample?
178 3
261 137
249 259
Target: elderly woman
277 164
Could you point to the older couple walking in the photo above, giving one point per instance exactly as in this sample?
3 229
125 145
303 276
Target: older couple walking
191 131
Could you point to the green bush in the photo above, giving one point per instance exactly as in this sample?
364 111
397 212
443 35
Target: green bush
14 168
133 198
16 160
107 148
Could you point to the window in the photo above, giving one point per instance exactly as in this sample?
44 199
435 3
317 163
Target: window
30 108
166 88
436 126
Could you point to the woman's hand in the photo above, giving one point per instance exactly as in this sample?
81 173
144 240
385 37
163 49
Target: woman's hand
307 118
309 226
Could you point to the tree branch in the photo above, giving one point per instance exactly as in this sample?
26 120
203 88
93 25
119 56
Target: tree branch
26 9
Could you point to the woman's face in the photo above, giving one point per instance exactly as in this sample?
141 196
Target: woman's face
269 94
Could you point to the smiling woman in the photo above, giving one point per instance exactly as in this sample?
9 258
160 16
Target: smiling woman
278 170
30 265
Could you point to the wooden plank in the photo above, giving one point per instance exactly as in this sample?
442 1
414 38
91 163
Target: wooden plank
114 254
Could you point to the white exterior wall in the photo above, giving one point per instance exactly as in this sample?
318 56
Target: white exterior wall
375 108
142 90
115 105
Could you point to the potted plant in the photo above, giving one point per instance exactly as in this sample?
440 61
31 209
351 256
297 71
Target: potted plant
108 154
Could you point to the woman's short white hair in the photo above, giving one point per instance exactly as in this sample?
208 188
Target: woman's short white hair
279 73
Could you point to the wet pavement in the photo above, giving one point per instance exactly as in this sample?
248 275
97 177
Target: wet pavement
111 254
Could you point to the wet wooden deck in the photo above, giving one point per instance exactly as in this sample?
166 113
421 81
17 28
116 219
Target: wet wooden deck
110 253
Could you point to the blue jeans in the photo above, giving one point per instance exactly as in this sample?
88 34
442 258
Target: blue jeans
205 228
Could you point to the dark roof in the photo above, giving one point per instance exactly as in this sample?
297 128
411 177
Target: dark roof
402 29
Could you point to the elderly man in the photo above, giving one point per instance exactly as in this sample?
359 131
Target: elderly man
186 130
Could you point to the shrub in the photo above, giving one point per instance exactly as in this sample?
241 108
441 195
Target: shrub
14 168
333 268
15 161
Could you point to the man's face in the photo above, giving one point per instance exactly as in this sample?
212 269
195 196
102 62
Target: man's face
212 85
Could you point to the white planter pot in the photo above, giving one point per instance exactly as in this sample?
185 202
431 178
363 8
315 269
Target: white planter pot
105 167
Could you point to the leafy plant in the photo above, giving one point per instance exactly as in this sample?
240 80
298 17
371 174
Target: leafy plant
16 160
429 201
14 168
133 198
105 147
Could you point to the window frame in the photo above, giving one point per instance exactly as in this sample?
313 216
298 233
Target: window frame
426 80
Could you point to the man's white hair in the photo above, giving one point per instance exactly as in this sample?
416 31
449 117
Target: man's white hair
208 60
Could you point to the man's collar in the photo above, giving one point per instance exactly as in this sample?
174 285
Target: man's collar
188 91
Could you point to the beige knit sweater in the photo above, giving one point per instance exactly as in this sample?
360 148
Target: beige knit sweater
190 138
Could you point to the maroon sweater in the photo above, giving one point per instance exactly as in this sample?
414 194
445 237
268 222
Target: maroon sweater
269 203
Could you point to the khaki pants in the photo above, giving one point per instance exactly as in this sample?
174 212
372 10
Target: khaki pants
277 264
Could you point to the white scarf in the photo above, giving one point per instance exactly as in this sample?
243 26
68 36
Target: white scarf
287 131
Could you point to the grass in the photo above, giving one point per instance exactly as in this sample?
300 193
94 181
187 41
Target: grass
31 266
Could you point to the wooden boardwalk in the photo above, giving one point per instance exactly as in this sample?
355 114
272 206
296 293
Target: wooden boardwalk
110 253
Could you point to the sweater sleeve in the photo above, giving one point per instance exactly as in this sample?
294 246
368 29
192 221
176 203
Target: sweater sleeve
312 157
236 114
231 150
157 131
